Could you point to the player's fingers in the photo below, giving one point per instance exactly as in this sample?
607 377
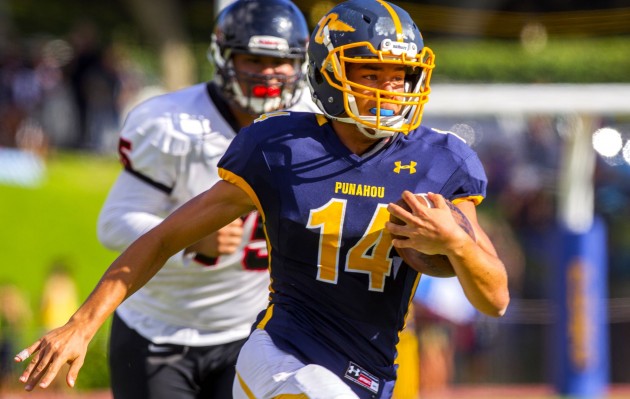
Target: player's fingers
237 222
25 354
48 366
446 219
402 242
35 370
50 371
399 212
227 248
438 200
397 230
227 238
236 231
73 373
234 225
410 199
231 230
417 208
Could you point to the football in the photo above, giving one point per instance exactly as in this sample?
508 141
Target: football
431 265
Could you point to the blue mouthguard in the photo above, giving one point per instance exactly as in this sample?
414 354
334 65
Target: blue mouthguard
384 112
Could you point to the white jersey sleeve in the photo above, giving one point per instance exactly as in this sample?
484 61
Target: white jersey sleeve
131 209
154 143
157 148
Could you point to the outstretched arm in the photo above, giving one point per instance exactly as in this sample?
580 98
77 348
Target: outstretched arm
205 213
133 207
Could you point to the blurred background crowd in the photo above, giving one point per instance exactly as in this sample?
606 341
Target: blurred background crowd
70 70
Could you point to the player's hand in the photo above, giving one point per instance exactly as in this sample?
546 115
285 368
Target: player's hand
67 344
222 242
428 230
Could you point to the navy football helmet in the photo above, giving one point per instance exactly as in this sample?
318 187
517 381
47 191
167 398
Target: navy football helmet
275 28
369 31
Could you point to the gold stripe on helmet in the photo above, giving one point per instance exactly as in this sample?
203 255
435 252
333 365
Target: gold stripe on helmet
397 24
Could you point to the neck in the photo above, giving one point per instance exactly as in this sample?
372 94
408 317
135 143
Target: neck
243 119
352 138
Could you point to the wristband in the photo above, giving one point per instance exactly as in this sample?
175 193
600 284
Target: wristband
205 260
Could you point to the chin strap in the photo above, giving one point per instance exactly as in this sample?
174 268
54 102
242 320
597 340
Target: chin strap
390 121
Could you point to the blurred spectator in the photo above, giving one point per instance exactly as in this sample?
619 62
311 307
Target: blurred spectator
408 361
55 54
542 145
29 72
95 83
60 298
13 75
508 247
444 320
14 316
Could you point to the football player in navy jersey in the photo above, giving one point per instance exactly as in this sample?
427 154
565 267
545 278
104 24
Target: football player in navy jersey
325 186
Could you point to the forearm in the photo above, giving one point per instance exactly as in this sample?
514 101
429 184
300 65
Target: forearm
483 278
131 209
129 272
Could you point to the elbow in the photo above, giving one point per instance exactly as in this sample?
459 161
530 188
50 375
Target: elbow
499 300
498 306
106 233
504 304
498 312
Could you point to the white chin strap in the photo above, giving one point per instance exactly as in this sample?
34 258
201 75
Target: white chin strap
389 121
396 121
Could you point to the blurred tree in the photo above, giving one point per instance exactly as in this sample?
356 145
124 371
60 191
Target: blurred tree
162 20
159 23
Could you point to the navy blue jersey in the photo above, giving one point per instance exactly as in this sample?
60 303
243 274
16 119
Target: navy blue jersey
339 296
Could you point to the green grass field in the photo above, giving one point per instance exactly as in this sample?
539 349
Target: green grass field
56 221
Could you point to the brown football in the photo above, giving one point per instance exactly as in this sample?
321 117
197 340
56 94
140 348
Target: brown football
431 265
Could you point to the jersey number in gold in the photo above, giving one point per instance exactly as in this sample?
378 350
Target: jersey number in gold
370 255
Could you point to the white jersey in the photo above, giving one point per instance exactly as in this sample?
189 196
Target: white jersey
170 146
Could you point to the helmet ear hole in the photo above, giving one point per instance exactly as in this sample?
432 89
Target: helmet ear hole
319 79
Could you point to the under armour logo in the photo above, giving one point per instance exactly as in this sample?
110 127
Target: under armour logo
362 378
411 167
353 370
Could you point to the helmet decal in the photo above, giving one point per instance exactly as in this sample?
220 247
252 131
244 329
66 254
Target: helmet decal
268 43
331 22
394 20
